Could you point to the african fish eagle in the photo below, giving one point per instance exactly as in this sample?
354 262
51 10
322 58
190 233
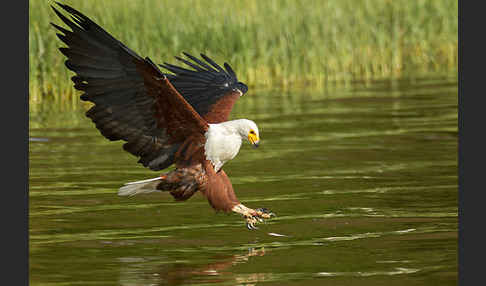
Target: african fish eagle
177 118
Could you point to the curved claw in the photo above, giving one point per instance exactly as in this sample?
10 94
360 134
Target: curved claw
250 222
251 226
253 216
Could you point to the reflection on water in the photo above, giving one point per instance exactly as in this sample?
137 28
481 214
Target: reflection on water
183 273
363 181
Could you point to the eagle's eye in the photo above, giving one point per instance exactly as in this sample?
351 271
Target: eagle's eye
252 132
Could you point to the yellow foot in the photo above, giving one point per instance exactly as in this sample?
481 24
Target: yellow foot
252 216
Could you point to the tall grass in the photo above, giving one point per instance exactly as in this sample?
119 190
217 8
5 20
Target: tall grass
284 43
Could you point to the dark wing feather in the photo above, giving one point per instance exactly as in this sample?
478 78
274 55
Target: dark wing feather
173 112
209 88
133 101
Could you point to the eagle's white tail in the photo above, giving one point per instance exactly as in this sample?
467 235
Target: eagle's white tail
140 187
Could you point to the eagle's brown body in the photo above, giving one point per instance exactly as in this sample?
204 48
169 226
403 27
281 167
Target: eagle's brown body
163 118
183 182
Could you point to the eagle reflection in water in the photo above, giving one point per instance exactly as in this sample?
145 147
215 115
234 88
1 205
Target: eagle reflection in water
184 273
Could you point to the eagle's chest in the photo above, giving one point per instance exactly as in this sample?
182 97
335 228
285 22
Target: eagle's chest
221 146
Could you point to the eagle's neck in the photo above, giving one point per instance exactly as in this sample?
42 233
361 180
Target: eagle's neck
223 142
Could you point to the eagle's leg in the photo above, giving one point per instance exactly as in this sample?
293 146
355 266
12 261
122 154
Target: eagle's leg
252 216
182 182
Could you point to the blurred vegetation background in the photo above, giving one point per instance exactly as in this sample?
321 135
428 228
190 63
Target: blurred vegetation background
270 44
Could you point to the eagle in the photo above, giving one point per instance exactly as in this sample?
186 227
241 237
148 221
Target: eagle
178 117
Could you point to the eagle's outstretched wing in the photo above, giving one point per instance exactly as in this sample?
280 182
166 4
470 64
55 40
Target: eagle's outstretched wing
133 100
210 89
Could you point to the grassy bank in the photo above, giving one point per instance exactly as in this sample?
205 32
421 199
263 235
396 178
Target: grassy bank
282 43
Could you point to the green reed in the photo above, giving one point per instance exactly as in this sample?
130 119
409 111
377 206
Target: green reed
271 43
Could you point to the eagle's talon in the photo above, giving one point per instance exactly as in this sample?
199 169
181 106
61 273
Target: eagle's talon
251 221
265 213
253 216
251 226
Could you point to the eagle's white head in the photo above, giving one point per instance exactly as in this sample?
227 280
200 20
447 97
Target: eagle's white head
247 129
223 140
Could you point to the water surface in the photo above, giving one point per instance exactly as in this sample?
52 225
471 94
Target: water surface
363 181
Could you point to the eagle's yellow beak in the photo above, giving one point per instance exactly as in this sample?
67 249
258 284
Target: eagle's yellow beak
254 140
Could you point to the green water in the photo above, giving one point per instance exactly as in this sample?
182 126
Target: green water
363 181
